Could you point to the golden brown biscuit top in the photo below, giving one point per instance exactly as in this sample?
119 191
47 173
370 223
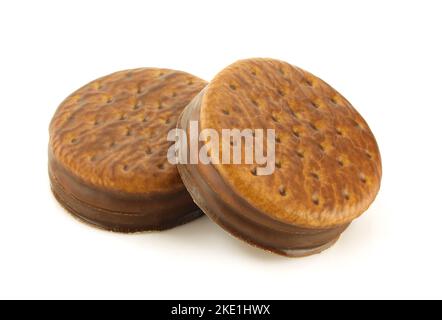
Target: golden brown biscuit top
328 166
112 133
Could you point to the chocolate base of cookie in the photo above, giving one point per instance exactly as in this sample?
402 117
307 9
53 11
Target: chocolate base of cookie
148 213
295 245
111 220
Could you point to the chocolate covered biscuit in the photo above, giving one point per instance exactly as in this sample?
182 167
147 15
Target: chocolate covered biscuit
327 162
107 151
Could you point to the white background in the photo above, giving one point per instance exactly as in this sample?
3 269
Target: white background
384 56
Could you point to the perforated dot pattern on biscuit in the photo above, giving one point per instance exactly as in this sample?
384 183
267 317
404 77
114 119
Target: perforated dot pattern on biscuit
331 162
112 132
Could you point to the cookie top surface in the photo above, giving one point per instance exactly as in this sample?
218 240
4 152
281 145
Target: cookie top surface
112 133
328 166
